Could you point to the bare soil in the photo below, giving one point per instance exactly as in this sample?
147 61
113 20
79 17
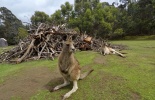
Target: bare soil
100 59
27 83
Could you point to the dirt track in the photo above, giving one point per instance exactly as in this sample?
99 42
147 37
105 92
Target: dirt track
27 83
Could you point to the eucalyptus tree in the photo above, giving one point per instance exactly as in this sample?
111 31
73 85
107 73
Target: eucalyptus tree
39 17
9 26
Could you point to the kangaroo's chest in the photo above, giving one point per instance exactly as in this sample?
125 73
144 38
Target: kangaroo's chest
106 50
65 63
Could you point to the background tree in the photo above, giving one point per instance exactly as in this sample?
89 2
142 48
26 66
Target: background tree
127 17
82 15
39 17
122 18
22 33
66 10
10 25
88 21
57 18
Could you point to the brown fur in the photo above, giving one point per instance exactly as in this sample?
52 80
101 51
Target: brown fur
69 67
105 50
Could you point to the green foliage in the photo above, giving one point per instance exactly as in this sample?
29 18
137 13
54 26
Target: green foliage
39 17
57 18
2 31
127 18
118 32
9 26
66 11
138 18
77 29
122 18
22 33
88 20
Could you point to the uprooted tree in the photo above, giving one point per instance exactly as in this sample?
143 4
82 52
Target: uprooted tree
46 41
43 42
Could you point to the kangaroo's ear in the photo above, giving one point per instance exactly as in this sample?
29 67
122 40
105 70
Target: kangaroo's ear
64 37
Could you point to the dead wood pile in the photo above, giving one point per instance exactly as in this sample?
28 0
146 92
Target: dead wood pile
43 42
46 42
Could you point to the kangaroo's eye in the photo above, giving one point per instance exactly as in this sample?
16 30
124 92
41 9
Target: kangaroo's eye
67 45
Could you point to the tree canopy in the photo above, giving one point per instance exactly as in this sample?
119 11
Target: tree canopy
9 25
39 17
122 18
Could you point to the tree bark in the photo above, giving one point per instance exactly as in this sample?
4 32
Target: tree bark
27 51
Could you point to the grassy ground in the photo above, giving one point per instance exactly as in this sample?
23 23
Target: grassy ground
114 78
150 37
3 49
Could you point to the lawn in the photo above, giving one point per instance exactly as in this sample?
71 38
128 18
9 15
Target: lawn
114 78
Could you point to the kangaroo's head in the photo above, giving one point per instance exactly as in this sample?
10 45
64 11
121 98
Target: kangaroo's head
104 43
68 45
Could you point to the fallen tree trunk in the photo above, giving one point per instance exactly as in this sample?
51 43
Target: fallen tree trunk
27 51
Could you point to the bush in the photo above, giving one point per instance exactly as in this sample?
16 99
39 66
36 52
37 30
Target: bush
118 32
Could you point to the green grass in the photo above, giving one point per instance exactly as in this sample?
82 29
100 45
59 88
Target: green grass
7 70
130 78
3 49
149 37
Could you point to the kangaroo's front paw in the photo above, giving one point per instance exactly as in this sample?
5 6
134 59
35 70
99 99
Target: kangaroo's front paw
54 89
66 96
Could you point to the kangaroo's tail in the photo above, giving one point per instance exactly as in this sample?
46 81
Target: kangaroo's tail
82 76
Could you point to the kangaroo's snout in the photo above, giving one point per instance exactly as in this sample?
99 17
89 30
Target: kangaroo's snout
72 47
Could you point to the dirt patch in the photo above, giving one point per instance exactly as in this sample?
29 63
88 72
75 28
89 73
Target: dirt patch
100 59
27 83
135 95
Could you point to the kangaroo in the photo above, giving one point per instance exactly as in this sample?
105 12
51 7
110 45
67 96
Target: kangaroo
108 50
69 67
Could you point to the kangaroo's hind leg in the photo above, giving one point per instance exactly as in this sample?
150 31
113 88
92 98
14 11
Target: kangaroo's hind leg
75 87
66 82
